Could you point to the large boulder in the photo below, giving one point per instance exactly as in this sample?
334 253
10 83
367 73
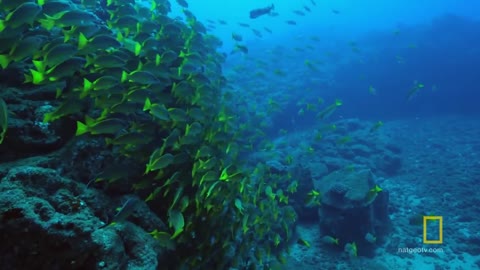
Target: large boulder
351 210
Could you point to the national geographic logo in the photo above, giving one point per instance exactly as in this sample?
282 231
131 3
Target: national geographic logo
428 223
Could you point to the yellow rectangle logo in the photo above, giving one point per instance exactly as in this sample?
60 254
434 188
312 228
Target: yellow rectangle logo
440 229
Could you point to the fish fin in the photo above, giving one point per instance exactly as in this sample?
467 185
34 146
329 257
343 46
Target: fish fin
81 128
138 48
87 85
89 121
148 104
28 78
90 60
48 117
58 93
46 23
124 76
39 65
2 25
4 60
67 35
56 16
82 41
120 37
37 76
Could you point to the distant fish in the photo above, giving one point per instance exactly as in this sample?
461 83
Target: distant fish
370 238
240 48
257 33
307 8
335 11
261 11
244 25
222 22
313 2
124 212
22 15
351 249
291 22
182 3
414 90
268 29
237 37
299 12
330 240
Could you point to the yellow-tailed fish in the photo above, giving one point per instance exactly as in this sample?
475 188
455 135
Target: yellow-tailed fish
164 238
9 5
373 192
102 83
67 18
70 106
176 221
124 212
22 49
330 240
95 127
25 13
159 111
159 163
97 42
351 249
325 113
57 55
134 138
376 126
105 61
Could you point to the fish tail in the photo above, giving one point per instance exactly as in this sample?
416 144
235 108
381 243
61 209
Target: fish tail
81 128
82 41
39 65
46 23
2 25
37 76
4 60
124 76
48 117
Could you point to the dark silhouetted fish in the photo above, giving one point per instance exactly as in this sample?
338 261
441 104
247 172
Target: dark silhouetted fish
257 33
261 11
299 12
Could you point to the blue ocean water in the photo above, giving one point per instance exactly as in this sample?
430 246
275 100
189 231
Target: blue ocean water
383 44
